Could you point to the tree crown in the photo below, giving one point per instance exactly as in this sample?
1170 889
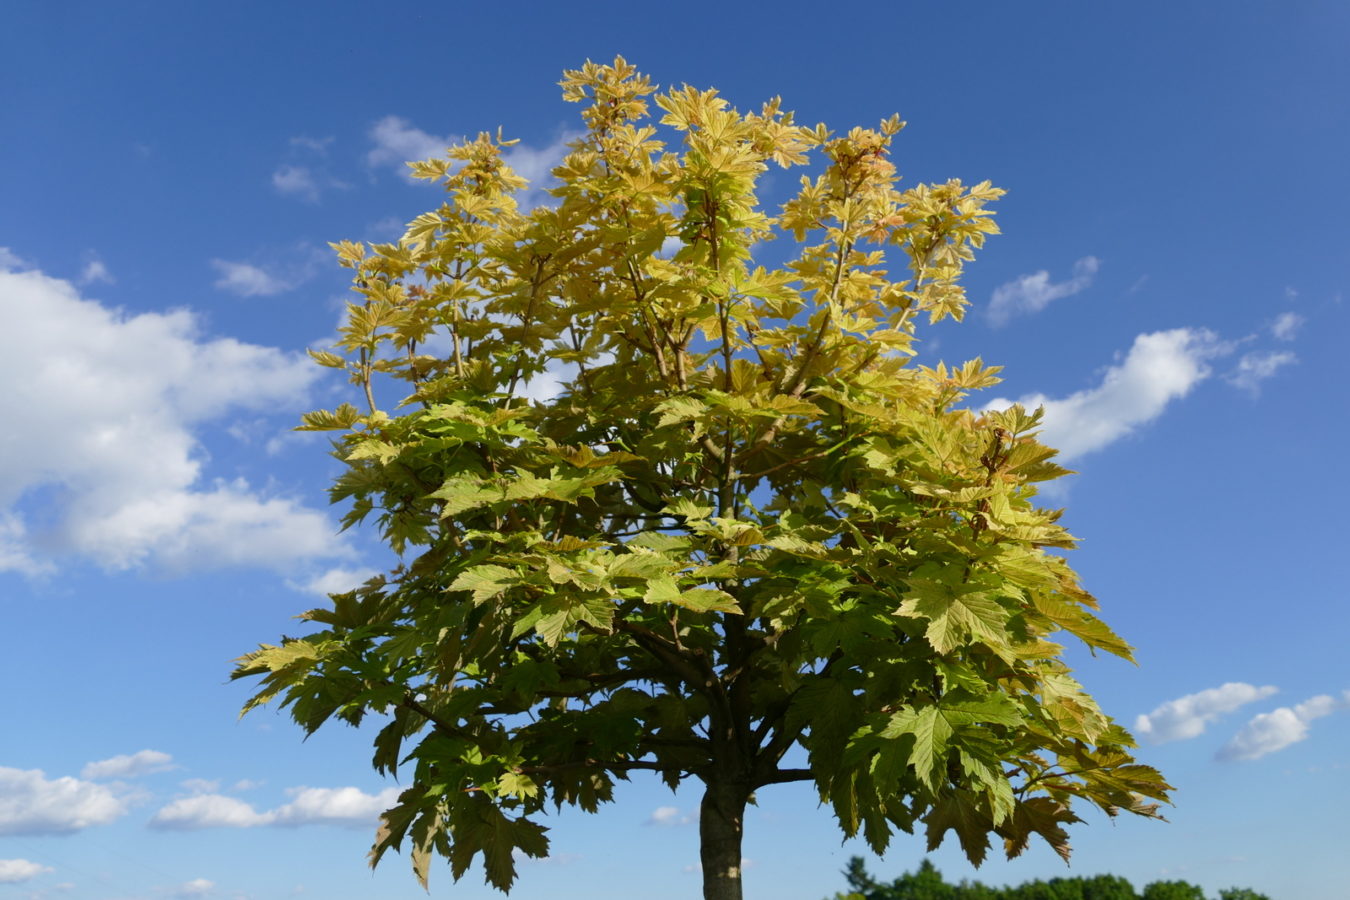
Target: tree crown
742 521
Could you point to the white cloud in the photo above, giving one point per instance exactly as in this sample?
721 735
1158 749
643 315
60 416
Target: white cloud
1279 728
11 261
143 762
1161 367
314 145
334 581
110 457
30 804
201 785
197 887
15 555
666 816
334 806
308 806
1186 717
537 165
248 280
1286 326
1255 367
13 871
94 271
207 811
296 181
397 142
1033 293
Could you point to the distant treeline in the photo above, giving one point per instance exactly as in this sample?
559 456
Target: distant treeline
927 884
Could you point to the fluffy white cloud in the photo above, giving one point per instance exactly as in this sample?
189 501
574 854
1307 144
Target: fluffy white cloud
1186 717
197 887
334 806
1161 366
667 816
108 454
31 804
1033 293
143 762
248 280
1280 728
207 811
397 142
1255 367
13 871
296 181
334 581
1286 326
308 806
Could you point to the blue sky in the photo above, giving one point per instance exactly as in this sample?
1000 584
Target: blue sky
1169 283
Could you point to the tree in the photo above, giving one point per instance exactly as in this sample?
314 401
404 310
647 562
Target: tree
744 523
926 882
1173 890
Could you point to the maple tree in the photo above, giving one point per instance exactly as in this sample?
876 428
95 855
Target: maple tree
745 522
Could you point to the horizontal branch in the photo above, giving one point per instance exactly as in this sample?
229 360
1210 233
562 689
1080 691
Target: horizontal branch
783 776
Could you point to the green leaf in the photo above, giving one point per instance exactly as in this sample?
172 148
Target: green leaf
959 811
957 615
486 582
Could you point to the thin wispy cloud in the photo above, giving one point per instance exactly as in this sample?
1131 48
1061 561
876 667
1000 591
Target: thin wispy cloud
1280 728
280 270
11 261
131 765
1187 717
306 176
312 144
1160 368
1286 326
95 272
248 280
1258 366
296 181
1032 293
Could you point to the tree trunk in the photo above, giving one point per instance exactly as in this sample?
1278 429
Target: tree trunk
719 828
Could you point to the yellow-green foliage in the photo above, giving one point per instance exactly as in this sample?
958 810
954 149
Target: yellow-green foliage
746 523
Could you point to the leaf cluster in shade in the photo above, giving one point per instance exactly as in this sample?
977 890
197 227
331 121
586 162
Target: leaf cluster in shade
746 530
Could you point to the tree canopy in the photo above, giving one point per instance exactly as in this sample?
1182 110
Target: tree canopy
927 883
746 540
